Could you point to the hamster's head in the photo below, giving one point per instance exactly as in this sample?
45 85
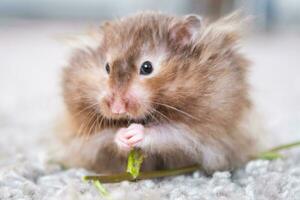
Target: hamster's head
140 67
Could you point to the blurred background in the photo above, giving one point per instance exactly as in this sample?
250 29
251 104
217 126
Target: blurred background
270 14
31 59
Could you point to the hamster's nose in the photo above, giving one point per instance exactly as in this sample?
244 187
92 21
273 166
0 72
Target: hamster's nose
117 105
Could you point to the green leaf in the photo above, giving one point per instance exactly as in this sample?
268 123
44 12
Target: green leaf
271 155
134 163
100 188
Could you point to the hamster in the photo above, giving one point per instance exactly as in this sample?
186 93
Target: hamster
174 86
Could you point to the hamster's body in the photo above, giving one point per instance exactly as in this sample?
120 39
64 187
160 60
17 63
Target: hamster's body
175 87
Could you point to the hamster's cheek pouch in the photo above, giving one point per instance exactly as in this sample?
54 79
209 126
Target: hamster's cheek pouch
152 86
139 91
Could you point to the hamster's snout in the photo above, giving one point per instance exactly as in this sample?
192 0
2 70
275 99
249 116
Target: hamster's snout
118 105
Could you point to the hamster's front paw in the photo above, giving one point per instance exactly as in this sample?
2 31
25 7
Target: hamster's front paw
126 138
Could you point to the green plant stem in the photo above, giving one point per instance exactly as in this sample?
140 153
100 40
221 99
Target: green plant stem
285 146
100 188
115 178
273 153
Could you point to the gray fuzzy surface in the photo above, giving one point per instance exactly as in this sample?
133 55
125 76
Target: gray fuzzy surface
30 103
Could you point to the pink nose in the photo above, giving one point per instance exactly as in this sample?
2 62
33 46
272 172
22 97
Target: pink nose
117 106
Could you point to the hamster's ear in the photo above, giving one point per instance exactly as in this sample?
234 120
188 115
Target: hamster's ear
184 31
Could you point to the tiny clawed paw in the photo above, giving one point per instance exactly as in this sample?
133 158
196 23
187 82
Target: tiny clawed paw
126 138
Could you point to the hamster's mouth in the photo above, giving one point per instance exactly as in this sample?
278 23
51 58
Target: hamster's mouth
126 121
145 121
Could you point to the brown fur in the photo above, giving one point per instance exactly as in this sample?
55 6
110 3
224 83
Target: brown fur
201 86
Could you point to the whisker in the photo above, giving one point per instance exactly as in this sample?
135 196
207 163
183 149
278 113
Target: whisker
149 113
81 131
86 125
178 110
163 115
175 109
100 123
92 124
85 108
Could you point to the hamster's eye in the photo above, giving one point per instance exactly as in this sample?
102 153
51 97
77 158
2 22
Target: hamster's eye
107 68
146 68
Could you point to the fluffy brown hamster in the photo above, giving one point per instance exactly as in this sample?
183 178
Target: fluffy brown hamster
176 87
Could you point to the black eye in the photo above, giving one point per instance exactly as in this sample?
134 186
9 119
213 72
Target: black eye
146 68
107 68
